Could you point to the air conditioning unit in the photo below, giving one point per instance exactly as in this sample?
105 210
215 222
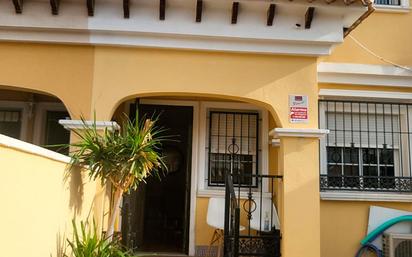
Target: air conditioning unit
397 245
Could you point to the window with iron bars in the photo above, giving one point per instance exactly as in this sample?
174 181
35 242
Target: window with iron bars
233 146
396 5
388 2
368 147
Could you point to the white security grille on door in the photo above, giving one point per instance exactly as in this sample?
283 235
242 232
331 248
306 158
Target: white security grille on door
233 145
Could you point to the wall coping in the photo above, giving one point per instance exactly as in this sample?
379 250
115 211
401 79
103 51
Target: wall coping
32 149
363 74
298 132
344 93
365 196
80 125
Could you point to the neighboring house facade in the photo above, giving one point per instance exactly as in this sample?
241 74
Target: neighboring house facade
220 72
365 102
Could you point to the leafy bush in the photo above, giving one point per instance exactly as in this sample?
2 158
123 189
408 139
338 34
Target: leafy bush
86 243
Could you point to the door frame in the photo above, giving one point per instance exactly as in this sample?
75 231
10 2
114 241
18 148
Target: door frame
194 161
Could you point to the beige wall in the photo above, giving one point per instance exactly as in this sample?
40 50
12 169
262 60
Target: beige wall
89 79
61 70
38 204
344 225
122 73
387 34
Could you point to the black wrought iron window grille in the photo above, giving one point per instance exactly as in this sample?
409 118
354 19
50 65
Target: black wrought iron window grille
233 147
368 147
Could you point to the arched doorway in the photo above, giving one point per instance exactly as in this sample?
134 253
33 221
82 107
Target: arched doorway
164 216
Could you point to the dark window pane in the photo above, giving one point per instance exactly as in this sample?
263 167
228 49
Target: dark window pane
369 156
386 156
334 154
351 170
370 171
221 163
351 155
387 171
10 123
55 134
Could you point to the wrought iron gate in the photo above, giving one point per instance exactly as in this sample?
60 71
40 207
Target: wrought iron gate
260 235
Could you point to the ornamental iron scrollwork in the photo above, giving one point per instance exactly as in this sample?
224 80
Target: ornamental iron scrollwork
248 242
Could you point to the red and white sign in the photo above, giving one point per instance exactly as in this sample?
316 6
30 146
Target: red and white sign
298 108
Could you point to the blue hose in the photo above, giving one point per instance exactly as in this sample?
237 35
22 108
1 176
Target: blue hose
371 248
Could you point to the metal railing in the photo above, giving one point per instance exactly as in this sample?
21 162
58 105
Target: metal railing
366 183
368 147
251 220
232 220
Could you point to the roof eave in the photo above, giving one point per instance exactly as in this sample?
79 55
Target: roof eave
369 11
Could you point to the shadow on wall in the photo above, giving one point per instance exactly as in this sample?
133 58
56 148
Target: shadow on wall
61 246
74 177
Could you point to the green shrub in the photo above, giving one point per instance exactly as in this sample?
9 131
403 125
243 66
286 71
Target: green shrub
87 243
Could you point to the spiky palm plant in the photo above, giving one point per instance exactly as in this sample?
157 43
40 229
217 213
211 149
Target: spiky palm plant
87 243
125 158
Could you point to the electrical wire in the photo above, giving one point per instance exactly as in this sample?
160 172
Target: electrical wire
378 56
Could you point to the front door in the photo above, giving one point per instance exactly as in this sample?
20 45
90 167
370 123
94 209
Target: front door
156 215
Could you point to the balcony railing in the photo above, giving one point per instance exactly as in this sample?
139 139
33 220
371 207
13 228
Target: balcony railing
366 183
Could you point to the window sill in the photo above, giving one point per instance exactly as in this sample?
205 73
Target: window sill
221 193
392 9
365 196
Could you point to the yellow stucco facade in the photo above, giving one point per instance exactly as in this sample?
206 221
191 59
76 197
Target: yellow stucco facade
98 79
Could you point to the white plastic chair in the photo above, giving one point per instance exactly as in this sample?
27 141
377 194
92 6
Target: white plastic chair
216 213
216 219
257 222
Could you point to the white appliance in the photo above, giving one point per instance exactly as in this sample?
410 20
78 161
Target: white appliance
397 245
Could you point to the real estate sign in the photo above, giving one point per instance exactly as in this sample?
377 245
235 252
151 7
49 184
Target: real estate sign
298 108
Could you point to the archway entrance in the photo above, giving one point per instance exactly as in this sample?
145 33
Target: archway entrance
206 127
156 215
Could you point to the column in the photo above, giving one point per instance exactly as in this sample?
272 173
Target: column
299 200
